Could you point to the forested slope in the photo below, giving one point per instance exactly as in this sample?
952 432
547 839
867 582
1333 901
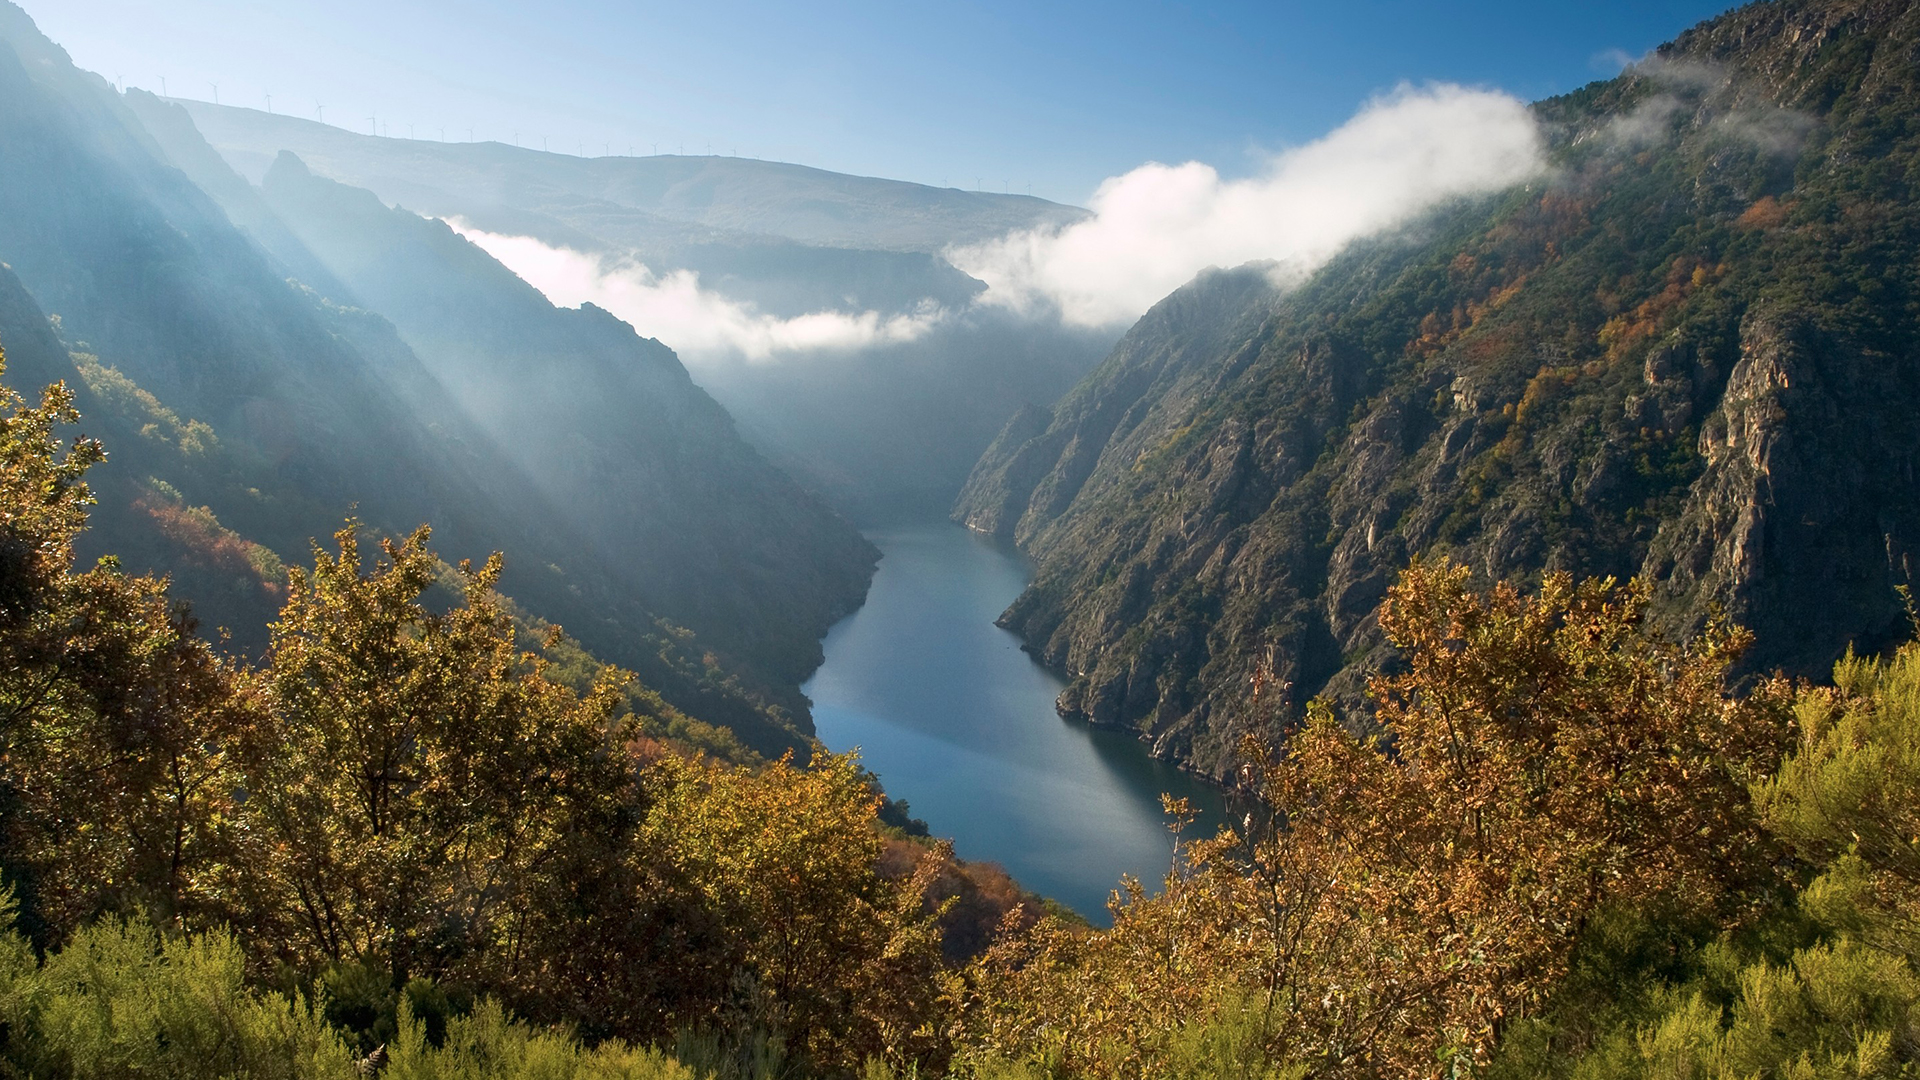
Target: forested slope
1687 352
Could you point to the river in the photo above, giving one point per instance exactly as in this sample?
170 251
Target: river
958 721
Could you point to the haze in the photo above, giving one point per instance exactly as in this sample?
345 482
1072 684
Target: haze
996 95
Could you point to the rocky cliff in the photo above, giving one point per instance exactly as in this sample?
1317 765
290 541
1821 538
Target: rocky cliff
1687 353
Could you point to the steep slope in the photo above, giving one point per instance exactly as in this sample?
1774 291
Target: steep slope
248 412
1689 354
641 461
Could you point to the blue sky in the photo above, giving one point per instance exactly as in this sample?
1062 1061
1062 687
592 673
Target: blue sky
988 93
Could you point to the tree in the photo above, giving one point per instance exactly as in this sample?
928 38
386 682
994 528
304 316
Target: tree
117 725
833 956
1542 757
1845 801
419 774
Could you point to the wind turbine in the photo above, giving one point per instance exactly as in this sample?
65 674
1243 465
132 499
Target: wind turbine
443 134
409 132
320 112
216 92
543 144
373 128
656 149
163 87
469 134
269 104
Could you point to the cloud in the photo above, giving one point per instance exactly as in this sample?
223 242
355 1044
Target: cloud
1611 62
697 323
1155 227
1151 231
1700 92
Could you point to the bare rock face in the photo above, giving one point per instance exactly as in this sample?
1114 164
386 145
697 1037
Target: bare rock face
1690 354
1801 523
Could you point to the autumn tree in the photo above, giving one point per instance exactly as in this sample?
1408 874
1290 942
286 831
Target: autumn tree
838 959
419 776
1542 756
117 725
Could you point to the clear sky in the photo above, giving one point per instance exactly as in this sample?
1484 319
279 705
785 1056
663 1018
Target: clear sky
989 93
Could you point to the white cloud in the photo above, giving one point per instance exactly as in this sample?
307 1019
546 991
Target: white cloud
1157 226
1151 231
695 322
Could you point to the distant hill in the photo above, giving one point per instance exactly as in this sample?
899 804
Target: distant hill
1691 353
883 431
660 195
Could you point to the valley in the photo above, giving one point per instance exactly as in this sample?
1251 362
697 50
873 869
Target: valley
1429 598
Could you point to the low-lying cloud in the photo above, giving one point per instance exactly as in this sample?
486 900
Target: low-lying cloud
1156 227
1151 231
1695 91
697 323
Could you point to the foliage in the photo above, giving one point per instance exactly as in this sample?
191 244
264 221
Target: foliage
124 1000
414 781
155 420
1543 757
1846 800
1826 984
105 694
840 958
404 814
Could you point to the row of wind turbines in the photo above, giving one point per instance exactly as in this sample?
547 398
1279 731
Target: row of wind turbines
380 129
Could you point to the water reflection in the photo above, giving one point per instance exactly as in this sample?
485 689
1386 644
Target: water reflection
959 722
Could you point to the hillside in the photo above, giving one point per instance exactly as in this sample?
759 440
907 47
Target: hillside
1688 353
251 413
640 462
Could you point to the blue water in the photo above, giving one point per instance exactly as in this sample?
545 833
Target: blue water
959 722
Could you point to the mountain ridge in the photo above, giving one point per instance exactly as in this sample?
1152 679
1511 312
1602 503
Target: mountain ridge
744 197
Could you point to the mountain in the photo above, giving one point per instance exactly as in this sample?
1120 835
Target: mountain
637 460
248 411
885 428
671 194
1690 352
